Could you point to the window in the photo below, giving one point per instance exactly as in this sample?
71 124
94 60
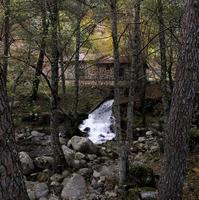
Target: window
121 72
108 67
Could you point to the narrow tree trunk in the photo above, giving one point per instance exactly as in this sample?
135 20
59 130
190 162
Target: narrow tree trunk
40 61
6 36
77 63
179 120
63 78
137 59
11 177
171 61
57 151
164 89
122 147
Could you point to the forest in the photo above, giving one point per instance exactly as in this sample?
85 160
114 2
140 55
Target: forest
99 100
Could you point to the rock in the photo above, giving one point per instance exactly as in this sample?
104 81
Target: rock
109 172
44 162
75 188
133 194
103 178
56 178
41 190
53 197
91 157
43 198
76 164
38 138
37 134
141 139
63 141
83 145
69 155
96 174
44 176
30 189
26 163
31 194
150 195
154 148
79 156
85 172
149 134
110 194
65 173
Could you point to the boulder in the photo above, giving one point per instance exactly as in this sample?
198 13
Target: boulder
141 139
149 195
149 134
26 163
69 155
79 156
44 162
85 172
37 134
83 145
56 178
41 190
75 188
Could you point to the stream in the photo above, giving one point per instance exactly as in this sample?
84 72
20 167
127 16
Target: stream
99 124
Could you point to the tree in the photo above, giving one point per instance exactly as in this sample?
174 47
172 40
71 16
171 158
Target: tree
164 88
179 120
77 55
57 151
40 61
6 4
122 143
11 177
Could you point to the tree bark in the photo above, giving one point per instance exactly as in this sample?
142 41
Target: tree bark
77 64
40 61
6 36
11 178
122 147
179 120
57 151
135 63
164 88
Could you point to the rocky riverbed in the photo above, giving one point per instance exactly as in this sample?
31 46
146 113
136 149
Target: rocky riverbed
92 171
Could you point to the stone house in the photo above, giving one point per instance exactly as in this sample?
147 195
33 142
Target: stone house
99 71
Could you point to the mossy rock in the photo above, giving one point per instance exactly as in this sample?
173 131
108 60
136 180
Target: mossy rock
146 193
133 194
141 176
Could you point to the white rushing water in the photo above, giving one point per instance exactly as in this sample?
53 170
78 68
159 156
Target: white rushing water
98 124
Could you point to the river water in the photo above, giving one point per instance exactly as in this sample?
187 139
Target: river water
99 123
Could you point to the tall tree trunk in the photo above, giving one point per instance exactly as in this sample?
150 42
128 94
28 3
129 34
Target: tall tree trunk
77 63
122 147
164 89
135 62
171 61
137 59
11 177
179 120
6 36
57 151
40 61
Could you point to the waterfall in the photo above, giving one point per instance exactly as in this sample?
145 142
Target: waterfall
99 123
